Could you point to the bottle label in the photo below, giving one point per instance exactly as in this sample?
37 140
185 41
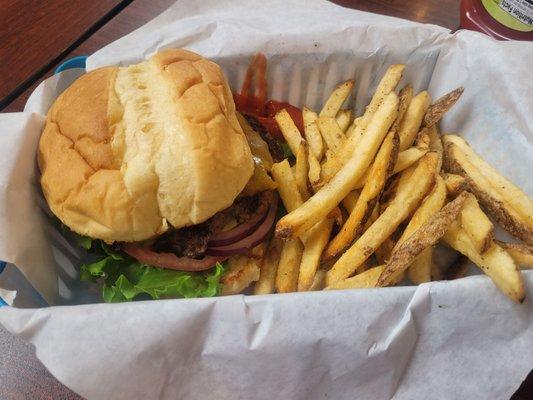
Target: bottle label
514 14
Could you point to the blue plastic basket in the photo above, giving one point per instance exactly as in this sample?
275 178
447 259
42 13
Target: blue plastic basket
75 62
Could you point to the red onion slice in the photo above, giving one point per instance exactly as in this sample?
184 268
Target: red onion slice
250 241
243 230
169 260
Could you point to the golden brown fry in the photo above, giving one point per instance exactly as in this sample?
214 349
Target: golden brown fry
354 133
350 200
509 205
336 99
289 130
384 251
269 268
435 144
319 281
496 262
413 119
437 110
331 133
379 172
364 280
344 119
522 254
455 184
287 186
420 270
312 134
406 199
288 267
315 243
331 194
314 169
301 170
242 271
477 225
427 235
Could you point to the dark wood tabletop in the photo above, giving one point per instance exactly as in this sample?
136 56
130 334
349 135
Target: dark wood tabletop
38 35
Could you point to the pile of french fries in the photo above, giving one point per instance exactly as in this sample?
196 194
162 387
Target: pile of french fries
369 197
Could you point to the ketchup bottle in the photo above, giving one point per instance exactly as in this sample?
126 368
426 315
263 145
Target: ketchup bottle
501 19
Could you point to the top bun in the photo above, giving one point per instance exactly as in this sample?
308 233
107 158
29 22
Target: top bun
128 151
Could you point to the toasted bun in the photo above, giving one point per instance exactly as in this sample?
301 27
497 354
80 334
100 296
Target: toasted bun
126 152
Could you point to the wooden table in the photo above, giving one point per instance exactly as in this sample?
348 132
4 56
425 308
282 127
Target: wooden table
35 42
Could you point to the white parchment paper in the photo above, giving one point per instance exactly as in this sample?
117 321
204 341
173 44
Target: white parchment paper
443 340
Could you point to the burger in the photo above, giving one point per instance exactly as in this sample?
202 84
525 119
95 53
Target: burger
149 168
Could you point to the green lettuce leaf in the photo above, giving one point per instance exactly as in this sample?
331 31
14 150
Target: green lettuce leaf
126 279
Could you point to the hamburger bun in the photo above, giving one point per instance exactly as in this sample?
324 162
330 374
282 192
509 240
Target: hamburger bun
127 152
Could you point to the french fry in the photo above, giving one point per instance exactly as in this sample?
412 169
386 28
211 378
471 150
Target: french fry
364 280
288 267
268 269
330 195
420 271
379 172
242 271
405 201
441 106
289 130
455 184
477 225
336 99
386 86
522 254
287 186
384 251
319 281
332 134
350 200
315 243
314 169
425 236
301 170
435 144
496 262
413 119
312 134
344 119
509 205
405 95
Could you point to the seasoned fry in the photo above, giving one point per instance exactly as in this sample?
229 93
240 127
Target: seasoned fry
364 280
268 269
435 144
509 205
379 172
289 263
522 254
441 106
350 200
289 130
496 262
426 236
413 119
384 251
406 96
312 134
315 243
287 186
301 170
331 133
344 119
242 271
455 184
319 281
330 195
420 271
477 225
336 99
406 199
314 169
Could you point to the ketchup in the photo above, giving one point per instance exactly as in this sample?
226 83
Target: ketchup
254 102
501 19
